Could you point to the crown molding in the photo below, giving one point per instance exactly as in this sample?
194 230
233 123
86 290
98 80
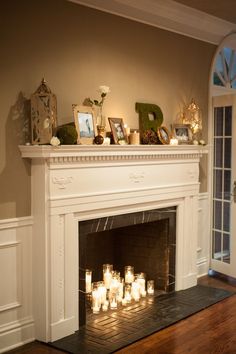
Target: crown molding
168 15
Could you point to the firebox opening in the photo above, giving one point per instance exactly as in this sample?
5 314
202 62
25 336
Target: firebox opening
145 240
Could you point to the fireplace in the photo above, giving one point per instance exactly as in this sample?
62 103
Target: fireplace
144 239
75 185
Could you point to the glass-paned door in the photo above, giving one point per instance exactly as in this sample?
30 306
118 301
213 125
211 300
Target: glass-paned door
224 187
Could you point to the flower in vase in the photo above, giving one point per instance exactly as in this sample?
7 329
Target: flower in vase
103 90
100 119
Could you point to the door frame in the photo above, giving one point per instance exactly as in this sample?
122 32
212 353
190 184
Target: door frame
229 41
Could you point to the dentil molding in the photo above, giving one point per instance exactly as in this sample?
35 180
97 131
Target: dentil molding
115 154
168 15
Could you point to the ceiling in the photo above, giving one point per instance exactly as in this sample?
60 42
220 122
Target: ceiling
207 20
225 9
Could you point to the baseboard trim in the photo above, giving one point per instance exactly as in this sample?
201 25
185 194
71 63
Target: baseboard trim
16 334
202 267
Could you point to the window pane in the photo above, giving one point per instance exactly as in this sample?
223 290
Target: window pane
218 152
218 184
217 215
227 184
227 153
226 224
217 245
228 121
219 121
226 248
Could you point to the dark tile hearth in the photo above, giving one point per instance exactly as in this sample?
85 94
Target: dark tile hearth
110 331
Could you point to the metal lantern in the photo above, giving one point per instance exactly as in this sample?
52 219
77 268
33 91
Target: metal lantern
43 114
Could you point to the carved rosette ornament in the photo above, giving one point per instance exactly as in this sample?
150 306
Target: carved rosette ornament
43 114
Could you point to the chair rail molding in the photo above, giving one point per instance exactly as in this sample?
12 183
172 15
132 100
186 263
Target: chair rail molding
168 15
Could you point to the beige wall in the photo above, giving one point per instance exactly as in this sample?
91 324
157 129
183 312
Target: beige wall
77 49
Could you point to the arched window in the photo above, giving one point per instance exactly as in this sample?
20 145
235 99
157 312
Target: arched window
225 68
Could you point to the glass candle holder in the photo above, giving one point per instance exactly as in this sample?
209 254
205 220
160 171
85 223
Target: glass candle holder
128 296
96 298
150 287
135 290
107 274
113 301
129 274
115 282
88 281
140 279
120 290
102 291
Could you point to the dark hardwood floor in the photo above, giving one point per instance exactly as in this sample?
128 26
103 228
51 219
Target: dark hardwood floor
211 331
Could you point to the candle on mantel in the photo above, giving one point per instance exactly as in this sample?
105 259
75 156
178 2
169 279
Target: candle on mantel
127 129
134 138
173 141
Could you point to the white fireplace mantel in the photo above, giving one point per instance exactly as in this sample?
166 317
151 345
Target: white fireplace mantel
75 183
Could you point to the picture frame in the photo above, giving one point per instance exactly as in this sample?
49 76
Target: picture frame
84 124
183 133
118 131
163 135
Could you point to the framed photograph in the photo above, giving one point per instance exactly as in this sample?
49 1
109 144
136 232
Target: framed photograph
84 123
183 133
118 131
163 135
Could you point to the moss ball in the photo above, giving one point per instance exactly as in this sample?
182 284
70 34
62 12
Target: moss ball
67 134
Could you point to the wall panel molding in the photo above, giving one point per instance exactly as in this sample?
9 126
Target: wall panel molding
16 319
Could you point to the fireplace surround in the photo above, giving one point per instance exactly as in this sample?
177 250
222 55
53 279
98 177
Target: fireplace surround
72 184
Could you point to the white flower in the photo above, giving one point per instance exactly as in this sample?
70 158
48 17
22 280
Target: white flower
104 89
195 142
55 141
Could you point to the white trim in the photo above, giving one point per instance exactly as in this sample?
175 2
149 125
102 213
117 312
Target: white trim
16 222
12 334
168 15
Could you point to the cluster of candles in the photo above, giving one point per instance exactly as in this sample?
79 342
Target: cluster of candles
114 290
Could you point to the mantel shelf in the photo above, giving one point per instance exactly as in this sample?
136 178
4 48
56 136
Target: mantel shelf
113 151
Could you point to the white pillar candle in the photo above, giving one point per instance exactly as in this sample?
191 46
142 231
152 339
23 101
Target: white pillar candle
150 287
88 281
129 274
173 141
96 301
107 274
102 291
140 279
135 291
105 306
113 302
134 138
127 129
115 282
128 296
124 302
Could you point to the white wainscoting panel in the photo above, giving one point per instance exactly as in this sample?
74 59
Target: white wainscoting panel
16 321
203 247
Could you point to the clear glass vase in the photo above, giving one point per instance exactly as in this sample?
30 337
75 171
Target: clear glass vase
99 119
